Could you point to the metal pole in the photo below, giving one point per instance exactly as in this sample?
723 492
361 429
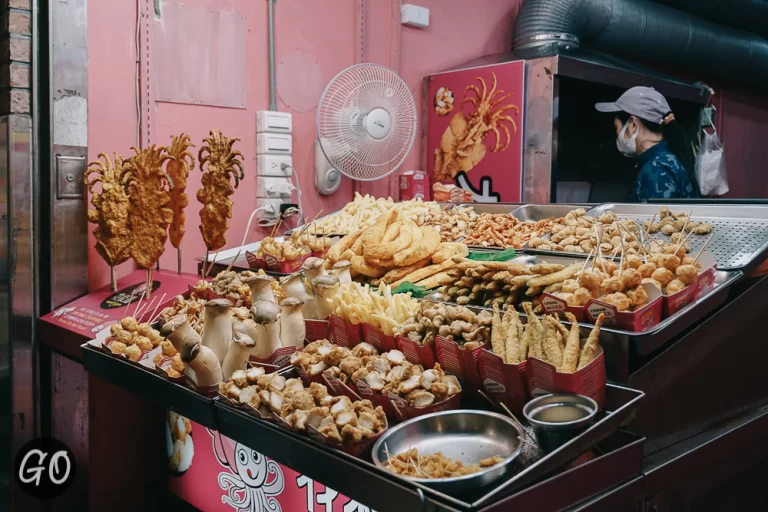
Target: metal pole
272 93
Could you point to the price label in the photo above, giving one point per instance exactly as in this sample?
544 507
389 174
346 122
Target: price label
552 304
492 386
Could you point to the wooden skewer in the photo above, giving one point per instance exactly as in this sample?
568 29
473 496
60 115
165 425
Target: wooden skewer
178 257
154 313
599 253
138 304
621 260
683 242
587 260
308 224
113 278
687 220
532 442
205 262
149 283
146 307
702 249
133 292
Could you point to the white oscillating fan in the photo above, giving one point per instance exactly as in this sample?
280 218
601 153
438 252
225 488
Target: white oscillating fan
366 123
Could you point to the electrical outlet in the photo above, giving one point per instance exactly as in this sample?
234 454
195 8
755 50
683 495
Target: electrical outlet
271 165
274 187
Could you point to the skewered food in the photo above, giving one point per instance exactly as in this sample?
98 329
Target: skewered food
504 230
462 325
546 339
132 338
148 187
222 164
113 236
178 169
436 465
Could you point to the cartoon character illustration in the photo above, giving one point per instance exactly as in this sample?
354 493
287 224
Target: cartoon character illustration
63 311
252 481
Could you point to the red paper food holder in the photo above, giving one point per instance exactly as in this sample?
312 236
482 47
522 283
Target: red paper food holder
317 330
254 261
284 266
459 361
280 358
343 333
424 355
637 321
556 305
590 381
504 382
403 411
704 283
377 338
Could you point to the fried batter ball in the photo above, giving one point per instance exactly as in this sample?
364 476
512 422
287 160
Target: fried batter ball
591 279
675 286
637 296
654 283
631 278
687 274
619 300
633 261
646 269
581 297
669 261
663 275
569 286
612 285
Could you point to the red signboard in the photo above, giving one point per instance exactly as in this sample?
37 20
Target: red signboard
215 473
475 130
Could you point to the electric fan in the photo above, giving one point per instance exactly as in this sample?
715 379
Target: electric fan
366 123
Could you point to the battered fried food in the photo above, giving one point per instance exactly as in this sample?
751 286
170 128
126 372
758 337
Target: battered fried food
222 164
637 296
513 342
148 187
556 277
178 169
505 230
619 300
631 278
112 234
590 347
687 274
674 286
426 247
663 275
571 352
552 349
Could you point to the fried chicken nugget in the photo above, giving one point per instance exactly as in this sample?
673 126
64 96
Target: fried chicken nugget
571 352
590 347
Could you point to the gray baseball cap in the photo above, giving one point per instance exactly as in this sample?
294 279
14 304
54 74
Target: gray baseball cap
644 102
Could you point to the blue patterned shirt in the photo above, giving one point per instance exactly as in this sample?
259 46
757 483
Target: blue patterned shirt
661 176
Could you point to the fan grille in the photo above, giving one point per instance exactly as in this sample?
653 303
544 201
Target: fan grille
351 95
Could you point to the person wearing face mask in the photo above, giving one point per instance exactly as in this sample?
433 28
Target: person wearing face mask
646 129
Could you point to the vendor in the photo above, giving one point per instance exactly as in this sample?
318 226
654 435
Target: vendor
646 129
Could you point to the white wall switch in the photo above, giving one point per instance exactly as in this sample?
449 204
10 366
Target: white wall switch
414 16
274 122
273 143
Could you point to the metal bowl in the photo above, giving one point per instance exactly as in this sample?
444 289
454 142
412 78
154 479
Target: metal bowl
558 418
464 435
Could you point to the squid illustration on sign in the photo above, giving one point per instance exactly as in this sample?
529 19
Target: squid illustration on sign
462 146
252 481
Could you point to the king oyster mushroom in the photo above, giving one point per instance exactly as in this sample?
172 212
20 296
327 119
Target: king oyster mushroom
341 270
294 286
292 327
312 268
237 355
204 363
179 332
261 287
266 315
325 287
217 329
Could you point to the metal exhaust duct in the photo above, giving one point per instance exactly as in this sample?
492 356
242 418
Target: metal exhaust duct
749 15
647 31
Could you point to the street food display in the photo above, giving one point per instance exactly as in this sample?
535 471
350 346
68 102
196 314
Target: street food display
671 223
435 465
110 213
220 165
456 323
505 230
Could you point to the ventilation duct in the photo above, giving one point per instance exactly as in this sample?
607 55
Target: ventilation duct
749 15
646 31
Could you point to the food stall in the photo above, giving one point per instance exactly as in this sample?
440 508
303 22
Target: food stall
339 358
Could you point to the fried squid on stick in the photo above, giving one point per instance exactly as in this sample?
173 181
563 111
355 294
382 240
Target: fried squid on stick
113 238
178 169
222 163
148 187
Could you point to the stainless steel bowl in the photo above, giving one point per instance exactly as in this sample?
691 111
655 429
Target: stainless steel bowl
464 435
558 418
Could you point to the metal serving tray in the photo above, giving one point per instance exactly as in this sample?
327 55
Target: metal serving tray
537 212
150 386
740 233
364 482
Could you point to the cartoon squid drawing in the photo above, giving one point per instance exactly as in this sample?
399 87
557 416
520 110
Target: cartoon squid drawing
252 481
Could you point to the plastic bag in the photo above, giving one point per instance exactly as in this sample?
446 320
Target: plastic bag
710 166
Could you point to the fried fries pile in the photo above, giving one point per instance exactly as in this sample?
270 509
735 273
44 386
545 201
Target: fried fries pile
505 230
359 304
396 250
462 325
336 417
113 238
148 187
364 211
178 169
546 339
436 465
222 164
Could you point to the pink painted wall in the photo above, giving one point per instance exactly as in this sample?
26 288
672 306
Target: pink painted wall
327 31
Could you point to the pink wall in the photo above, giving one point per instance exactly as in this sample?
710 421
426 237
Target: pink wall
327 31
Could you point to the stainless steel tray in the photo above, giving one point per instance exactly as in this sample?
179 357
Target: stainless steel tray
536 212
484 207
740 233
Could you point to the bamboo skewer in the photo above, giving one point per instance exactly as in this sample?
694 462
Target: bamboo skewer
133 292
138 304
149 283
178 257
532 442
702 249
586 261
146 307
113 278
154 313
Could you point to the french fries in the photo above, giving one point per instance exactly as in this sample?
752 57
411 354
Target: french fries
359 304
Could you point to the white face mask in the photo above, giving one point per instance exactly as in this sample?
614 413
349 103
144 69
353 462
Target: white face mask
627 147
